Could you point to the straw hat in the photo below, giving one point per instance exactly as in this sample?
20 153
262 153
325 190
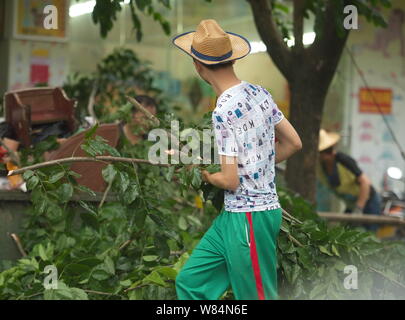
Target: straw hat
327 139
212 45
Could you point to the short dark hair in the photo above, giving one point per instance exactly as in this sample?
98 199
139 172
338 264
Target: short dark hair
146 101
218 66
329 150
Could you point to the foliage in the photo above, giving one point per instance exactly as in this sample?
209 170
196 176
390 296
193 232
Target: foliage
312 258
370 9
126 248
119 74
78 86
133 245
105 14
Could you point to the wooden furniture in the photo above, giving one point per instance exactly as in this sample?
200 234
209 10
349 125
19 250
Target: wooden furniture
90 171
25 108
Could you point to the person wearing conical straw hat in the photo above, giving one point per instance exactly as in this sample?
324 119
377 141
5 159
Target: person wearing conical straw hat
342 174
239 249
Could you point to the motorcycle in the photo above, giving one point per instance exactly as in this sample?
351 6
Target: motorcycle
393 203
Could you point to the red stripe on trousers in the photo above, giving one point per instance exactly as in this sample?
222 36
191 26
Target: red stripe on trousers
255 259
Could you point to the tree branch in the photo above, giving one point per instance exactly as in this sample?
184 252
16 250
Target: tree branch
271 36
84 159
92 99
328 47
388 278
107 190
299 6
362 218
140 108
18 243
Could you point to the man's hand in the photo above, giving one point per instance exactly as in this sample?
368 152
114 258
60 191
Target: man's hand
227 178
358 210
205 176
365 186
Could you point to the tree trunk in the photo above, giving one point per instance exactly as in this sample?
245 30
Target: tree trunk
309 72
306 108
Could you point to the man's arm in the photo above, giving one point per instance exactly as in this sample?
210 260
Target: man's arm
365 186
228 177
361 178
288 142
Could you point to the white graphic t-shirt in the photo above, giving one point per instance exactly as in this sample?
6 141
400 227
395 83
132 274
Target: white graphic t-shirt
243 121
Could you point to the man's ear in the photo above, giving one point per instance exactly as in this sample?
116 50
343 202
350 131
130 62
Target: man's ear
197 65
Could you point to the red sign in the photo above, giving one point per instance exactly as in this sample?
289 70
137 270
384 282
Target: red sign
373 100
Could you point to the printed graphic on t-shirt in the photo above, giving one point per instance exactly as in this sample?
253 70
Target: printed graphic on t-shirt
244 121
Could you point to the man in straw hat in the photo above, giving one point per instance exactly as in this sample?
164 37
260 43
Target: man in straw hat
341 173
239 250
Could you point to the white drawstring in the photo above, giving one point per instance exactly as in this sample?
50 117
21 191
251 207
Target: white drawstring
247 238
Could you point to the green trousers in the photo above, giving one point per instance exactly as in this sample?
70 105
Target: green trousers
239 250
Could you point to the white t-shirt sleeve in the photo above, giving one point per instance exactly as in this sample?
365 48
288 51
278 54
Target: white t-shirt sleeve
224 136
276 114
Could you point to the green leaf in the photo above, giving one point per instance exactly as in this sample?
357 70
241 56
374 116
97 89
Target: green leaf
182 224
161 245
335 250
109 265
28 174
89 149
89 134
124 181
136 294
182 260
284 227
62 293
56 177
169 173
194 220
168 272
74 269
140 217
318 290
131 193
109 173
89 208
324 250
41 205
65 192
85 189
78 294
305 258
100 274
196 179
32 182
150 258
154 278
41 252
74 174
125 283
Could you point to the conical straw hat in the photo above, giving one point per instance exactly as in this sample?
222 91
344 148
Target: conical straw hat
327 139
